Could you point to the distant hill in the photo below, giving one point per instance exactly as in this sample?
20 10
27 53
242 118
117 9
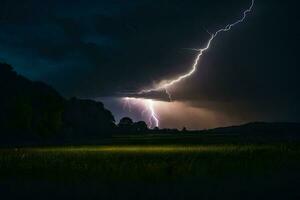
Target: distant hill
260 128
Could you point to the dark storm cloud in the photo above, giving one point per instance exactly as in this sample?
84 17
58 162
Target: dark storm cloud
109 47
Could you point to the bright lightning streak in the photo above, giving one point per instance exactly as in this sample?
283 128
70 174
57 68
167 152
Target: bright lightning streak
149 108
152 112
148 103
170 83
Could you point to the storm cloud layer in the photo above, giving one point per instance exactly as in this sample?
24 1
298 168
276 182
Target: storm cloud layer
106 48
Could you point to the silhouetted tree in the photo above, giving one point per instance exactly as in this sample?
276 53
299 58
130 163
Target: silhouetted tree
125 124
28 108
156 129
87 118
140 126
31 110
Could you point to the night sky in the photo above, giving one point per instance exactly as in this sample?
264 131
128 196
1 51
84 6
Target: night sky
102 49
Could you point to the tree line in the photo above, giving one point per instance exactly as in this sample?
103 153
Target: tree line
34 111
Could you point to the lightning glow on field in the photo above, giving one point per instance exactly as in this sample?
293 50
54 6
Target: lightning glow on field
165 85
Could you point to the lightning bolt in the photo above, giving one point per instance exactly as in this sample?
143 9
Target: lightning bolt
153 115
164 86
149 109
167 84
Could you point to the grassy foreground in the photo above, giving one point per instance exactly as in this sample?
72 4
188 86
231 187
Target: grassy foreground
150 163
235 168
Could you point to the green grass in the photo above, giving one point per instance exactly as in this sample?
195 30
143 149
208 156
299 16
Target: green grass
148 162
210 166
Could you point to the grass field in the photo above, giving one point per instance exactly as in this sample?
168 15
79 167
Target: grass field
156 167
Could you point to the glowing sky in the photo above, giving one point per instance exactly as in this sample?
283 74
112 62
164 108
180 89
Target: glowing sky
154 118
174 114
102 49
